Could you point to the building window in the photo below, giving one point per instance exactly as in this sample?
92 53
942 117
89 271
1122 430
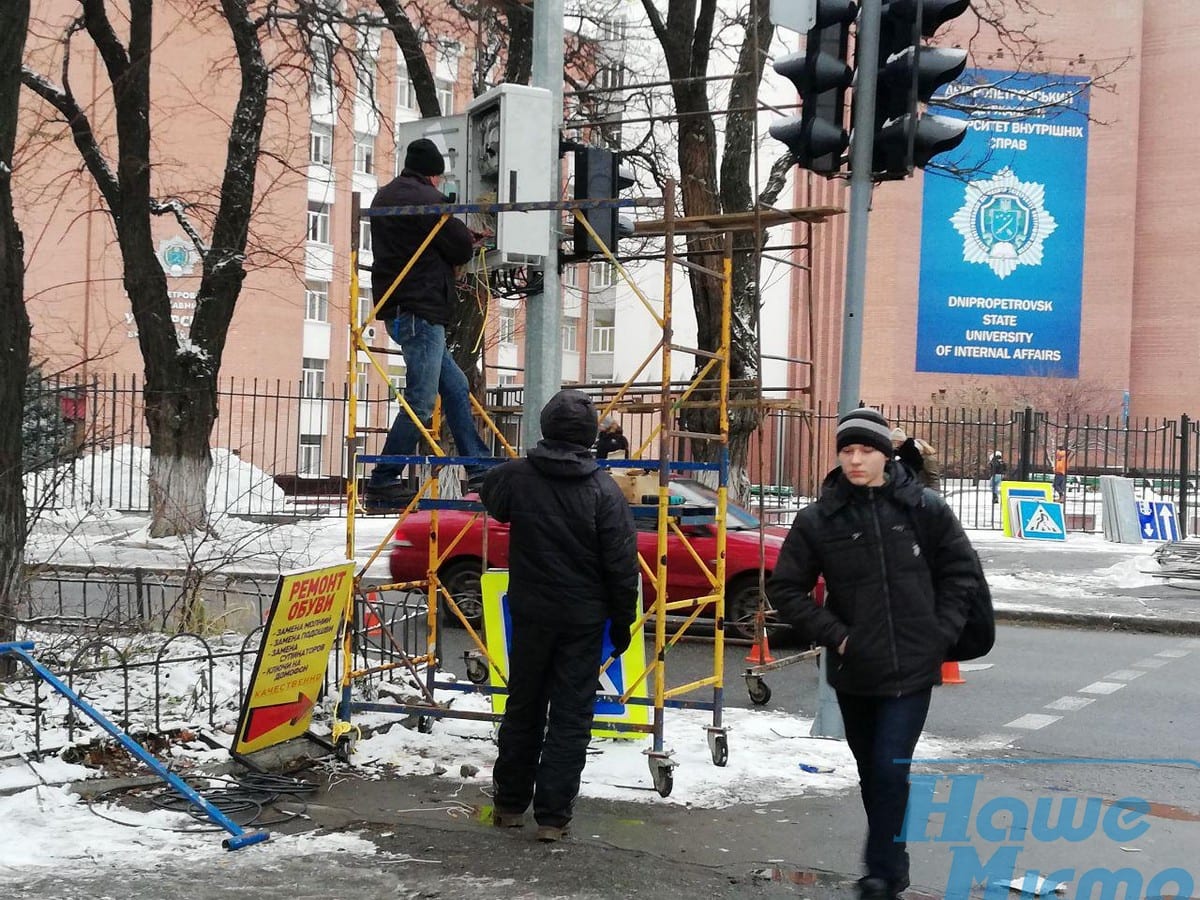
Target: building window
310 454
316 301
312 379
321 82
445 96
364 235
318 223
364 156
603 335
570 276
362 382
508 379
320 146
570 333
600 275
508 325
366 303
406 97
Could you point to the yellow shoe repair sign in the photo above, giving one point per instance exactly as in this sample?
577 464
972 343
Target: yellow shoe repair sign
306 613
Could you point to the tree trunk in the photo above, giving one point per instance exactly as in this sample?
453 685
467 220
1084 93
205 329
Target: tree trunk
180 422
14 349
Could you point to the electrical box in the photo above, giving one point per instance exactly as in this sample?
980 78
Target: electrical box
510 142
449 133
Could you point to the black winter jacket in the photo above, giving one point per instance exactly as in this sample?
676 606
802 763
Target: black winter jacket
428 289
898 610
572 555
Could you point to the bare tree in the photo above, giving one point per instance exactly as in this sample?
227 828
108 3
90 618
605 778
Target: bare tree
181 374
14 350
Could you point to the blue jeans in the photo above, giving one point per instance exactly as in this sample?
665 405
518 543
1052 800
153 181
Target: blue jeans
881 730
430 370
996 479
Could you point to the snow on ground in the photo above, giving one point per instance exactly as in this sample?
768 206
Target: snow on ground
48 827
766 751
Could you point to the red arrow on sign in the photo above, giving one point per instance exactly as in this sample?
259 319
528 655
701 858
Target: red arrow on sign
265 719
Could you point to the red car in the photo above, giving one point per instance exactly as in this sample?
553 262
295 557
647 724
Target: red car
409 558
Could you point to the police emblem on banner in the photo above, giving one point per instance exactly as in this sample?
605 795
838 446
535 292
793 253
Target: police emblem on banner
1004 222
177 256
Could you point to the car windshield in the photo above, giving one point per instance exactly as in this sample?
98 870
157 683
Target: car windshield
736 518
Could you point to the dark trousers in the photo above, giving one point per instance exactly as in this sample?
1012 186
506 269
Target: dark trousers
552 684
879 731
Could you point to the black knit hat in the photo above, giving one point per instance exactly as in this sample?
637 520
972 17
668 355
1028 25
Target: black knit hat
424 158
867 427
569 416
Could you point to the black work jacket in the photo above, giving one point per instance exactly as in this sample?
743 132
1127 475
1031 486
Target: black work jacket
428 289
572 554
898 608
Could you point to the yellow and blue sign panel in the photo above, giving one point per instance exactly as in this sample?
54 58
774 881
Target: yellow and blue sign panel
1001 283
1011 491
624 671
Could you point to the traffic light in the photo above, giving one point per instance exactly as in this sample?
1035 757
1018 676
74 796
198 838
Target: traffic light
909 74
821 73
599 176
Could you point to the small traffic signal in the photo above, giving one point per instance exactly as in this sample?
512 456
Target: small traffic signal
599 176
909 74
821 73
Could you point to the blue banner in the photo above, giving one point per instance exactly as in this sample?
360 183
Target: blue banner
1002 236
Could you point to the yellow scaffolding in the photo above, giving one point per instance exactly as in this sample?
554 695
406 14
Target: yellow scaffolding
672 620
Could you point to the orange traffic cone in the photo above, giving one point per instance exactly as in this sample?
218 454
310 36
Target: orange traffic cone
950 673
760 652
372 626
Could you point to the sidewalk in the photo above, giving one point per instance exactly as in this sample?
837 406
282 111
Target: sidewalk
1086 582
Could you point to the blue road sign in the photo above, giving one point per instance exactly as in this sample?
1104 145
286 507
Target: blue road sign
1041 521
1157 520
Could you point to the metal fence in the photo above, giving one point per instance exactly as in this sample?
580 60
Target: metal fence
115 637
282 451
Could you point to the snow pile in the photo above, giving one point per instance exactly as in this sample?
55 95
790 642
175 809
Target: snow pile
119 479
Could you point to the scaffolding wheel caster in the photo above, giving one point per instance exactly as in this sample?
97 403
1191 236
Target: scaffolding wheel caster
662 771
425 725
343 747
759 690
477 670
718 746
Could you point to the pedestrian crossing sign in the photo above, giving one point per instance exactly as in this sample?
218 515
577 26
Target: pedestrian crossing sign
621 675
1041 520
1010 492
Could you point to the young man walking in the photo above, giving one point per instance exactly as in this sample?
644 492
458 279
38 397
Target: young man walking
898 570
573 571
416 314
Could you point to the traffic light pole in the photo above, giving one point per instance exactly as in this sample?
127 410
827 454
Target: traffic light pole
828 720
862 149
543 312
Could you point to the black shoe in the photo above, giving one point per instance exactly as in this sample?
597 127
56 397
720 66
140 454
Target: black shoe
474 482
897 887
396 495
873 889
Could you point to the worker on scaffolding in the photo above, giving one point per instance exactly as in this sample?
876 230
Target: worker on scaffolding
416 314
898 571
572 568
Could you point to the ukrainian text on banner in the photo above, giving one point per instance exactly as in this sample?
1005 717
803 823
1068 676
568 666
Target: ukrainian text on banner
1002 238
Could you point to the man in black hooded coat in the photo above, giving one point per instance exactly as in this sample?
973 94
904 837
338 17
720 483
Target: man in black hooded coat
572 569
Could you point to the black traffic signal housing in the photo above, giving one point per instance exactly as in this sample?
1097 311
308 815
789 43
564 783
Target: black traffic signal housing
909 74
821 73
598 176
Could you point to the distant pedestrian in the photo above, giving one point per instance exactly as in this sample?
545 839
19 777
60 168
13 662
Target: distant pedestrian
996 469
920 457
573 570
611 440
1060 473
891 611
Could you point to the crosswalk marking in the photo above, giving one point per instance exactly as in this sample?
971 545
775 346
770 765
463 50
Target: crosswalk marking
1102 687
1070 703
